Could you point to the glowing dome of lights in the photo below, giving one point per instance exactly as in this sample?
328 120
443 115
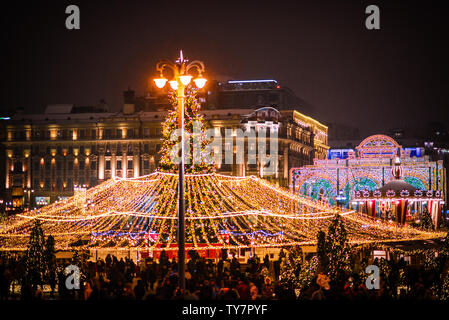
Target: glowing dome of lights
221 212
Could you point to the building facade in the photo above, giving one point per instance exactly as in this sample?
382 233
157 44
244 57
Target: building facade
48 155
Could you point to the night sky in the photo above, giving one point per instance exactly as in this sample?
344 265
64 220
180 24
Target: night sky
372 79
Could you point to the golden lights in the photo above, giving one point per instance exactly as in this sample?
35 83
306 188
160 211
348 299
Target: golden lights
248 211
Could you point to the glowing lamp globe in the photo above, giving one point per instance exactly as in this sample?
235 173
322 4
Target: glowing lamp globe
200 82
160 82
185 80
173 84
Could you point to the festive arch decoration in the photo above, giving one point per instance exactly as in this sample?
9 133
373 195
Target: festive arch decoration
319 189
378 146
417 183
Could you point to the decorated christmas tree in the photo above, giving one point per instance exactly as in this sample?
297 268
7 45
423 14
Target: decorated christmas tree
50 262
35 265
195 140
445 249
445 287
287 274
426 221
322 252
337 249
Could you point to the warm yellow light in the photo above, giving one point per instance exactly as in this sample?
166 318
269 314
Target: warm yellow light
174 84
200 82
185 80
160 82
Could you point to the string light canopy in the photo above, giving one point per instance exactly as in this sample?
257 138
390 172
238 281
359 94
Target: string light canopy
221 212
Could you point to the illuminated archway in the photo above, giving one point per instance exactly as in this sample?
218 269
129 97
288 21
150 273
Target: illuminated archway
358 184
417 183
318 189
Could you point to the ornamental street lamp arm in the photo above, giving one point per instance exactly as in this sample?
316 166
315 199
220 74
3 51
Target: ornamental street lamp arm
166 63
199 65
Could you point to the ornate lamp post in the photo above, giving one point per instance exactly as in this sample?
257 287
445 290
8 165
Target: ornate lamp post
181 78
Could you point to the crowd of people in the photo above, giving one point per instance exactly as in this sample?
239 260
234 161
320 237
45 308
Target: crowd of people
206 279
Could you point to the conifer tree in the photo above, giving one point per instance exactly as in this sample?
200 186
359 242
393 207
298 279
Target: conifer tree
337 249
191 116
426 221
322 251
50 261
35 265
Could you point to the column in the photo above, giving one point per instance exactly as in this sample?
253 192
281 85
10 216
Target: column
136 165
286 162
8 166
113 165
29 172
101 165
124 164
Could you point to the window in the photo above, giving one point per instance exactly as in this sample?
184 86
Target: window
82 165
146 164
130 164
146 148
119 164
146 132
58 184
47 184
47 165
18 166
81 181
59 165
93 134
36 165
119 133
81 133
59 150
18 182
108 164
93 181
108 133
93 149
70 165
36 184
130 133
93 165
82 150
70 184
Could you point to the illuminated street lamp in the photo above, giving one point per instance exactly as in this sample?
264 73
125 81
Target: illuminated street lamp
181 78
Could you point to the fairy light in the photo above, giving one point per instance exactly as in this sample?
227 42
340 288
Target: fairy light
121 213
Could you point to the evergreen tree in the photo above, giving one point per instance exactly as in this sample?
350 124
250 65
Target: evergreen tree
426 221
289 265
191 115
445 288
445 248
308 272
322 252
337 249
50 260
35 265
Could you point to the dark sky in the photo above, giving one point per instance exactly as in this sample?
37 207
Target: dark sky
374 80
